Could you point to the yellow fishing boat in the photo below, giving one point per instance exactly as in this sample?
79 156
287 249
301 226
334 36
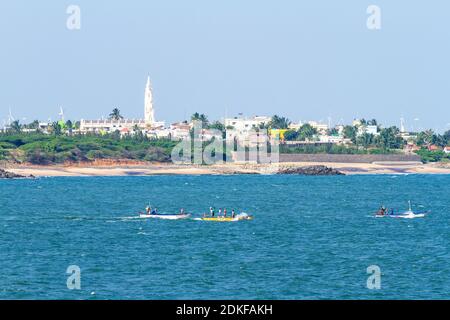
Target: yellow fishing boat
240 217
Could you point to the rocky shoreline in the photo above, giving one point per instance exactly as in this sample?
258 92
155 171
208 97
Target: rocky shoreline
10 175
318 170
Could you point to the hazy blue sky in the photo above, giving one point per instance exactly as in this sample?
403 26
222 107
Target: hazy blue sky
306 60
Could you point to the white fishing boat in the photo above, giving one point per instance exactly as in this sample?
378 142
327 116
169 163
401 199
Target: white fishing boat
410 214
153 214
165 216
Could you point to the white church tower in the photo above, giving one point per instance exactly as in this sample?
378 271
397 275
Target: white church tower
149 111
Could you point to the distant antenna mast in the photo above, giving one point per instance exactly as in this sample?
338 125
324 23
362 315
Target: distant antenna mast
61 113
10 117
402 125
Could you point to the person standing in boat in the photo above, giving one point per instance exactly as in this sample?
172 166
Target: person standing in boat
233 214
220 212
225 212
211 211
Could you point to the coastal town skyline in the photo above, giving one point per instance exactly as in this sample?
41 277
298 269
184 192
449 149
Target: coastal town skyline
148 117
241 62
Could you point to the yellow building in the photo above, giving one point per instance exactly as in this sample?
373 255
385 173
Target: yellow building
278 133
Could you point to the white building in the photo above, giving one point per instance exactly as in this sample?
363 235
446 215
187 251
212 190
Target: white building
332 139
321 128
180 131
246 124
368 129
126 126
244 129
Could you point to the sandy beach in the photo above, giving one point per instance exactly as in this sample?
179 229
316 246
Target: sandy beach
142 169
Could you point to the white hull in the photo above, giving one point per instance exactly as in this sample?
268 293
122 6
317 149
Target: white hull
406 215
409 216
165 216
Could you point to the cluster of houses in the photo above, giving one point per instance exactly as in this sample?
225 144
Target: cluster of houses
244 129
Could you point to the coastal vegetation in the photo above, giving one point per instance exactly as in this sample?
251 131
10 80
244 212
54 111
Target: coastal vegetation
433 155
62 142
334 149
39 148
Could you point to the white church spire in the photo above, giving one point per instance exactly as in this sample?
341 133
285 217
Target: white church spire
149 112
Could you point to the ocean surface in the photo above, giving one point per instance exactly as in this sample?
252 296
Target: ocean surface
312 238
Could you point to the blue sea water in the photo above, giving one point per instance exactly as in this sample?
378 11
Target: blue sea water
312 238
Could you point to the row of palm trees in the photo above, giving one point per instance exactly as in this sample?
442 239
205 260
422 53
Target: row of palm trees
57 126
388 138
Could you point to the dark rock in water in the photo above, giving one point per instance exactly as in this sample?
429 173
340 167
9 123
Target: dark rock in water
312 171
10 175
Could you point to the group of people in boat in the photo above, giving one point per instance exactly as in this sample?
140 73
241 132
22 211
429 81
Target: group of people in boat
220 214
383 211
150 211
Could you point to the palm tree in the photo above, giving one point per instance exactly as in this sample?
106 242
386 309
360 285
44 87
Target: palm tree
16 126
115 115
333 132
350 132
32 125
389 138
425 138
278 122
217 125
366 139
200 117
446 137
69 124
56 129
291 135
306 132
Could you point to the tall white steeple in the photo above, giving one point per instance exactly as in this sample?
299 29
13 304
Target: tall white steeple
402 125
149 112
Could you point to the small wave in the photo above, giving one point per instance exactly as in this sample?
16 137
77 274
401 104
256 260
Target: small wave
130 218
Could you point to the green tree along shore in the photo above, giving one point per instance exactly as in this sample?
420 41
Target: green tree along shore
39 148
